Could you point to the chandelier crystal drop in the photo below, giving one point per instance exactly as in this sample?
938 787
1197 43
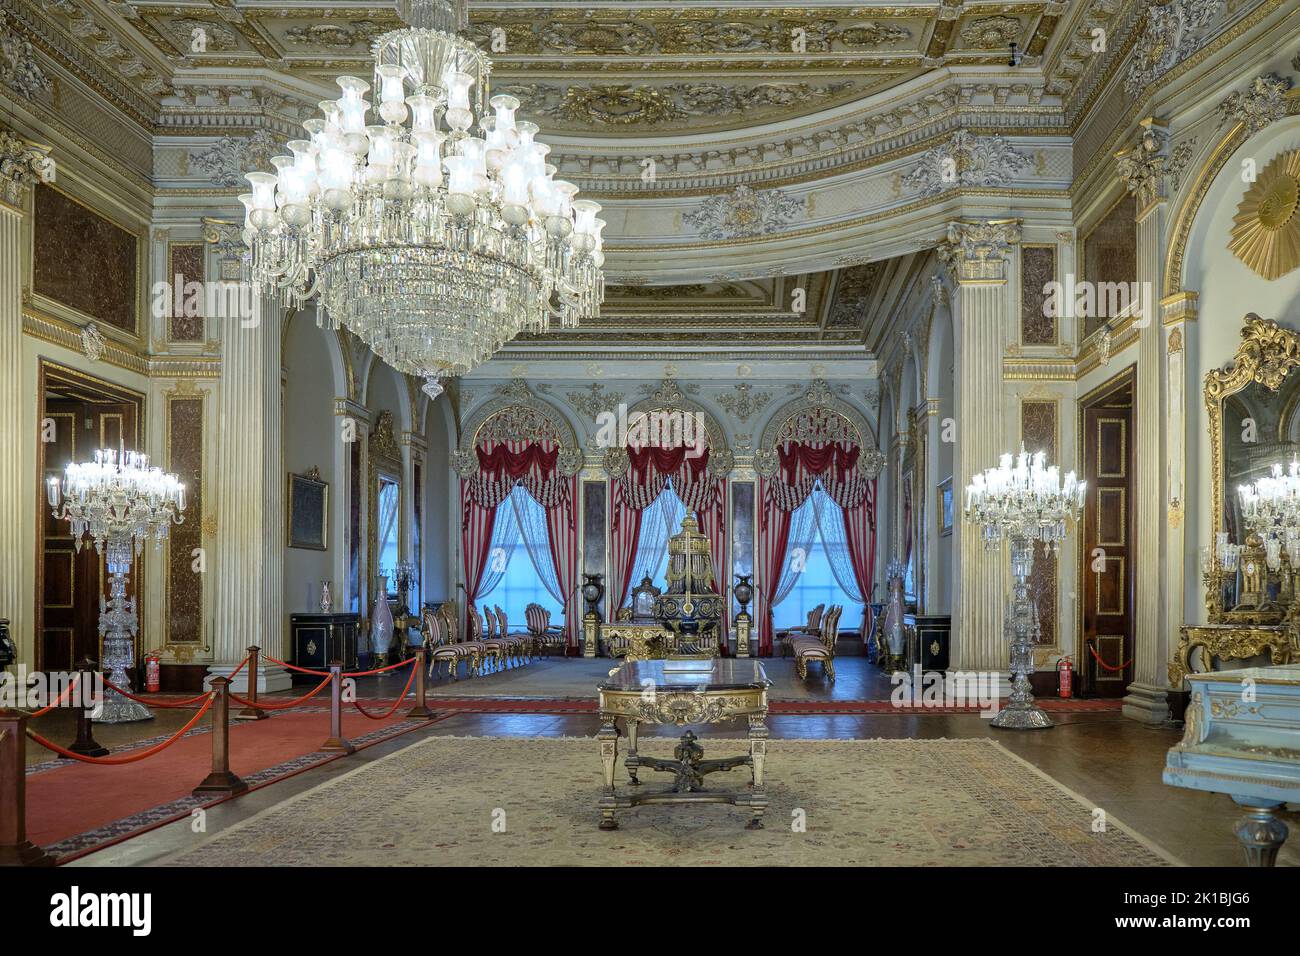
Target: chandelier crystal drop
1270 506
434 231
1023 498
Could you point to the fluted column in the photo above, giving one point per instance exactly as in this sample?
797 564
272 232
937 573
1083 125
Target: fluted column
1142 167
24 166
249 566
977 255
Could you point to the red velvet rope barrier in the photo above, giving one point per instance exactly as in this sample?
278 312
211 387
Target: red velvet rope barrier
156 703
287 706
1103 664
397 703
58 701
380 670
300 670
131 758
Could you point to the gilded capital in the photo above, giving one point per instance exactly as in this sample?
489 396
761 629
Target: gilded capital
975 250
1142 164
22 165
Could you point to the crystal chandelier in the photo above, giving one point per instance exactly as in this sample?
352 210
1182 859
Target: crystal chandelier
1023 503
1270 510
434 245
119 502
1271 505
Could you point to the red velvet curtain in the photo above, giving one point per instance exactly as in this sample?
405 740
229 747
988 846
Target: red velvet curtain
773 540
624 533
562 533
476 526
860 536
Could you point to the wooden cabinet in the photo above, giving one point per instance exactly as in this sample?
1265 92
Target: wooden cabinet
318 639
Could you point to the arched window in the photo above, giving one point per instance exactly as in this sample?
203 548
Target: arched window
521 567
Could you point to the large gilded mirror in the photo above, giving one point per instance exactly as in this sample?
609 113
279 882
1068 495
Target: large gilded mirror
1254 412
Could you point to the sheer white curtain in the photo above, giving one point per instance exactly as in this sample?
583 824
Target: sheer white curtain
505 535
661 520
830 525
530 518
803 528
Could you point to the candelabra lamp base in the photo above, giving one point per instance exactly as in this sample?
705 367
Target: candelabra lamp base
1022 717
117 709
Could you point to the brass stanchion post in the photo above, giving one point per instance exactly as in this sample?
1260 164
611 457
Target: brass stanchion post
252 712
15 848
221 780
336 739
419 710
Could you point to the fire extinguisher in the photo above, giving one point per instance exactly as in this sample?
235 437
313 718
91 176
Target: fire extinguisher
1065 677
152 672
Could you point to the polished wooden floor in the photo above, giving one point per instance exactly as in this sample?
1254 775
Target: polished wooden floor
1111 761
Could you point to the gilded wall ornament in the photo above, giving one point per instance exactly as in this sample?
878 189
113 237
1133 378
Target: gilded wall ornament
516 414
93 343
1259 104
1142 166
744 212
1173 32
1266 229
19 69
976 249
742 402
966 160
595 400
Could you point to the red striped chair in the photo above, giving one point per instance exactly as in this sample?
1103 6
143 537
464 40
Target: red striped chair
820 648
494 647
811 629
519 647
545 634
441 641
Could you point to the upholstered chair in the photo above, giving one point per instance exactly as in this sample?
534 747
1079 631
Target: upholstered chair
518 646
820 648
494 647
811 629
546 635
442 647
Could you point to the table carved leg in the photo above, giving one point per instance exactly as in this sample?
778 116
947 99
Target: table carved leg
757 755
608 737
633 764
1260 831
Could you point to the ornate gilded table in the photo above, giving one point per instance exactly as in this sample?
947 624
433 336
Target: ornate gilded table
683 692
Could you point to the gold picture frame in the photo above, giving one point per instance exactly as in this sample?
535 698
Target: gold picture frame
944 501
307 512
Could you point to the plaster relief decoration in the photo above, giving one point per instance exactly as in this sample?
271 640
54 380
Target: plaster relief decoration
1173 33
852 293
1266 228
22 165
743 401
817 419
974 250
225 161
339 37
19 69
966 160
516 415
93 343
744 213
1259 104
595 400
625 104
991 33
1142 165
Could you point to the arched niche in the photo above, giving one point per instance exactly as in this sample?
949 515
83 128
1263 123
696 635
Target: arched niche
668 399
516 414
818 415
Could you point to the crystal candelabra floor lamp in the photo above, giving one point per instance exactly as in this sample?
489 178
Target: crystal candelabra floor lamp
1023 503
119 502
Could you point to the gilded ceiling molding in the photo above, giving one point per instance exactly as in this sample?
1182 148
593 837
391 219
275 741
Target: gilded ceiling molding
818 412
1173 32
23 164
976 250
516 414
744 213
1185 217
965 160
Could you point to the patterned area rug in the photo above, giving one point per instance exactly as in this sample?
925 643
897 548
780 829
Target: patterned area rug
488 801
559 705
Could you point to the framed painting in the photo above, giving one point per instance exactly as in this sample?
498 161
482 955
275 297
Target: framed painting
945 506
308 511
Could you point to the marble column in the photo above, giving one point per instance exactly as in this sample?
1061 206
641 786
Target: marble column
28 167
1142 167
978 256
249 487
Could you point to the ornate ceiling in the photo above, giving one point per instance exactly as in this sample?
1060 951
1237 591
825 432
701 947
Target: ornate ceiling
617 69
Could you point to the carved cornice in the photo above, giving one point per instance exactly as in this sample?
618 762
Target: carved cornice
975 250
73 337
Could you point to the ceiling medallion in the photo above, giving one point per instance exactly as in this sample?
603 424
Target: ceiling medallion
435 246
1266 229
